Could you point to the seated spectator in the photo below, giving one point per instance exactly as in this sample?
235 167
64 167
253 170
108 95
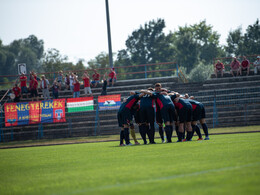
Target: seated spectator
112 76
245 66
235 67
86 80
17 93
76 88
67 81
60 78
104 87
55 90
95 79
219 67
257 65
45 88
33 88
23 83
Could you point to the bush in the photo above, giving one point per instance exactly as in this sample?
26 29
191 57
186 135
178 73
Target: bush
200 73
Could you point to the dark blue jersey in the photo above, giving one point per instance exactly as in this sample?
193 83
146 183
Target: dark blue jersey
146 101
162 100
195 103
182 103
131 101
122 107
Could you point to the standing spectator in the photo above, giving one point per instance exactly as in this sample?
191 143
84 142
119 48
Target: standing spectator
23 80
219 67
33 88
235 67
86 80
76 88
245 66
257 65
67 82
71 82
95 77
104 87
112 76
45 88
60 78
17 93
55 90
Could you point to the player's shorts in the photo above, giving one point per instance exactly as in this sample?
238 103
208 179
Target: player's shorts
34 93
196 113
159 117
124 117
185 114
24 89
147 114
137 117
87 90
168 113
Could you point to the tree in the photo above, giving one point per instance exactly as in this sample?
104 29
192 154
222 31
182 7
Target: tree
196 43
53 61
244 44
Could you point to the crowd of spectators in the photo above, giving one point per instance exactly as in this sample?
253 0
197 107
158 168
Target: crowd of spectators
237 68
69 82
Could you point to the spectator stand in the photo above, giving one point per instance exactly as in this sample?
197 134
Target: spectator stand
227 61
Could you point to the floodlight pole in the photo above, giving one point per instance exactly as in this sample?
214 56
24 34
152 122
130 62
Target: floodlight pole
109 37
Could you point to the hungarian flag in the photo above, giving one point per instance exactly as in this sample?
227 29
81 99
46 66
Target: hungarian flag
80 104
109 102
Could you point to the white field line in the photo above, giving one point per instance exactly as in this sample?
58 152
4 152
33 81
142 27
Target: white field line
159 179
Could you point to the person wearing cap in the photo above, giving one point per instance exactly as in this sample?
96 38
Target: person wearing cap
112 76
219 67
257 65
245 66
45 87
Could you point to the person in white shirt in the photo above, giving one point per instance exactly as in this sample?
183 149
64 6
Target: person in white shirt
257 65
45 88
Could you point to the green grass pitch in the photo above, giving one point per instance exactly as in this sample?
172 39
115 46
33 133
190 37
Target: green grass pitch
226 164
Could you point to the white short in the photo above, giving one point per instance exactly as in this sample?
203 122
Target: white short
87 90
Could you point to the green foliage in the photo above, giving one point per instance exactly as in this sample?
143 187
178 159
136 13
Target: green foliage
244 44
200 73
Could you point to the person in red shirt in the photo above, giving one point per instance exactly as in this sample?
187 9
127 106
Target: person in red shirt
219 67
76 88
245 66
17 93
235 67
34 89
112 76
95 77
23 80
86 80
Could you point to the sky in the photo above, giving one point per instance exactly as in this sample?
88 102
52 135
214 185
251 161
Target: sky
77 28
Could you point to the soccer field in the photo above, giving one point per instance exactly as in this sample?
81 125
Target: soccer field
226 164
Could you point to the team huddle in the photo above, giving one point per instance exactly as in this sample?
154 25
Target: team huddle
170 107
